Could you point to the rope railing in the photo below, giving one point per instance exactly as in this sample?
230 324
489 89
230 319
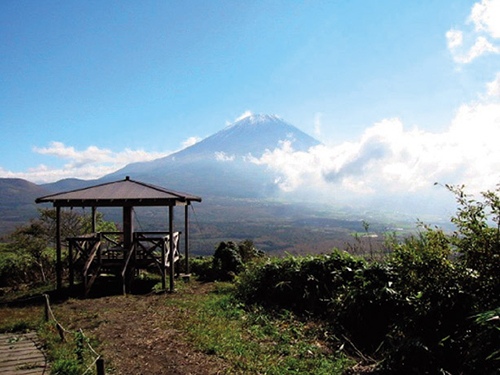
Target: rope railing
97 360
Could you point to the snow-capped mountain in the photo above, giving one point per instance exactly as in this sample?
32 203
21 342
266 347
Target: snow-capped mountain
219 164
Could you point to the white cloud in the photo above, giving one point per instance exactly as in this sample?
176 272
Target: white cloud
222 156
389 159
244 115
454 38
481 47
494 87
190 141
486 18
86 164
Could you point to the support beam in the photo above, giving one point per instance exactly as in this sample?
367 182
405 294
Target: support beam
58 249
94 219
128 238
171 242
71 266
186 236
163 266
128 227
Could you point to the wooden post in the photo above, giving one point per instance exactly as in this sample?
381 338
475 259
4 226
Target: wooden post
47 307
186 236
100 366
171 242
71 270
60 330
128 227
128 233
163 266
94 219
58 249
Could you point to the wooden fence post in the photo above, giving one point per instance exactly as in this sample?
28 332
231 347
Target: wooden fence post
100 366
60 330
47 307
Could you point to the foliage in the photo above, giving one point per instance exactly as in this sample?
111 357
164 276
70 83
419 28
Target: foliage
29 256
202 267
431 307
66 367
301 284
69 356
228 260
478 243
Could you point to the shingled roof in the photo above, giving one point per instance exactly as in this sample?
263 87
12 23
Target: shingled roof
120 193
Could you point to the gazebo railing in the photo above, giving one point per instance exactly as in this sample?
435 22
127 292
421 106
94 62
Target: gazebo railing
105 252
151 245
112 245
97 267
82 249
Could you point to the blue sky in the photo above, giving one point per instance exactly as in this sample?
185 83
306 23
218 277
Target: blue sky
88 86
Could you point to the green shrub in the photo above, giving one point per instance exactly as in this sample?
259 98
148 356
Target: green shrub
66 367
228 261
202 267
422 310
309 284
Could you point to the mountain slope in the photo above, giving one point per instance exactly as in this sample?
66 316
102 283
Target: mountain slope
219 165
17 203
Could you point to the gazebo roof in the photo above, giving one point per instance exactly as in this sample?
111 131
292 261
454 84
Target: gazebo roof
120 193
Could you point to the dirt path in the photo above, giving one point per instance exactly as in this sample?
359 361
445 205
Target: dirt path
137 335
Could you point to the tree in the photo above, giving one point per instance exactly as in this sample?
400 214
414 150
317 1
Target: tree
32 245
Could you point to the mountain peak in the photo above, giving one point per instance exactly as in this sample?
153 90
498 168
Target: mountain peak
223 155
249 117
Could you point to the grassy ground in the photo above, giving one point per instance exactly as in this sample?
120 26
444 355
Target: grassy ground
253 341
202 328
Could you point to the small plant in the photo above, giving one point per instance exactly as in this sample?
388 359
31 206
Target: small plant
229 260
66 367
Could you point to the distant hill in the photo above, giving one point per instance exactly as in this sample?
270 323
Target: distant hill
17 202
68 184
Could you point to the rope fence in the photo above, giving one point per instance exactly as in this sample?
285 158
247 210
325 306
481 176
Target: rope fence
98 361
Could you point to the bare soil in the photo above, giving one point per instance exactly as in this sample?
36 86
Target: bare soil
138 335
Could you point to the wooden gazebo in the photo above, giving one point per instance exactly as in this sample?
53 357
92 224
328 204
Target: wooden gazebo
124 252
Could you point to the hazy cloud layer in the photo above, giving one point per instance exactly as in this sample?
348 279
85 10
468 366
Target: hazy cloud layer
91 163
388 158
86 164
485 16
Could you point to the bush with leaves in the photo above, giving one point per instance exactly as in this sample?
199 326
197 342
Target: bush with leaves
29 256
302 284
477 243
229 260
432 307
